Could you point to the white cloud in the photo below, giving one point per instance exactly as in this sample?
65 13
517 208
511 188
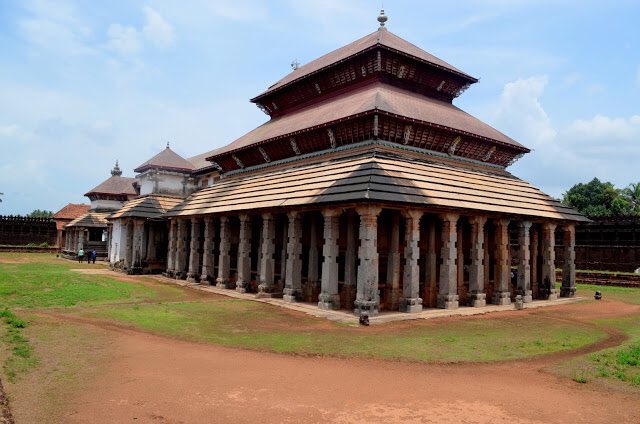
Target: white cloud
572 78
125 39
600 128
8 130
157 30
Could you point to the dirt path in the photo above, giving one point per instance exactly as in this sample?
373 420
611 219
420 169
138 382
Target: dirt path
158 380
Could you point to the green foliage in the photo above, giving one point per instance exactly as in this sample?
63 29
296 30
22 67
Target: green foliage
40 214
602 199
21 357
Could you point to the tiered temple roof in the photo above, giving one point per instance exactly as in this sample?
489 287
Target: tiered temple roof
115 187
167 160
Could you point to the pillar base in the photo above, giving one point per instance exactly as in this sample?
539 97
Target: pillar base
411 304
267 290
241 286
567 292
477 300
193 278
553 295
205 279
448 301
180 275
501 298
369 307
291 295
168 273
527 295
222 283
329 301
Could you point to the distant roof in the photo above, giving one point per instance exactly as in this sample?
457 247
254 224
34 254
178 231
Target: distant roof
115 185
377 177
71 211
382 37
376 96
167 160
200 161
152 206
91 219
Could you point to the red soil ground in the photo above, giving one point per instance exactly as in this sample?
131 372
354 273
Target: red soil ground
153 379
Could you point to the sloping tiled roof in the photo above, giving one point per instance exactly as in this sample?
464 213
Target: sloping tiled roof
200 161
71 211
91 219
115 185
146 207
167 160
376 176
376 96
382 37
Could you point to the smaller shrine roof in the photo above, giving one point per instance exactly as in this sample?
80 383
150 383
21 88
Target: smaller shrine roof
149 207
167 160
115 185
382 37
91 219
71 211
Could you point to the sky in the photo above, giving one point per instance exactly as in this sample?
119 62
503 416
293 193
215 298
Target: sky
85 83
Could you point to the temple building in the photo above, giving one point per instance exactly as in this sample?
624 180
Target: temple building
63 217
138 231
89 231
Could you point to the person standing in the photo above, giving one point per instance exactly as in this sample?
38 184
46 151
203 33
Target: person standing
80 255
93 256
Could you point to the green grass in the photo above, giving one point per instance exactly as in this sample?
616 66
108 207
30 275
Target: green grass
20 357
261 327
622 294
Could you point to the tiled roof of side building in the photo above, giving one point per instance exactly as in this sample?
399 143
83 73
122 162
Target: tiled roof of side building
91 219
376 96
381 37
71 211
149 207
115 185
379 178
167 160
200 161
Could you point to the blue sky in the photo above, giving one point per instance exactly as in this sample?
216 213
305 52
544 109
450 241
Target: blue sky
83 83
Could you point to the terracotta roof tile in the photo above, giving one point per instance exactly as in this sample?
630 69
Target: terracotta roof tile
381 37
200 161
115 185
146 207
91 219
71 211
167 160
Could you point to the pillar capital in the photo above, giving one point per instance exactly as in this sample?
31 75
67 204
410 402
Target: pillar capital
412 214
478 220
267 216
524 225
293 214
449 217
369 211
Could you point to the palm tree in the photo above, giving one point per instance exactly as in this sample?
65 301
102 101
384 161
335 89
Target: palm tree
632 193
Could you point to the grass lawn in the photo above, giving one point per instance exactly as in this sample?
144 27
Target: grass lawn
622 294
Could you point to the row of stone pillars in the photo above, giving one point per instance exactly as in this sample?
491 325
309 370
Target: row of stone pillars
361 265
138 242
76 239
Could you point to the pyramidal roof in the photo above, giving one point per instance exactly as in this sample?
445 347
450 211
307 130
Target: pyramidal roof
167 160
115 185
381 37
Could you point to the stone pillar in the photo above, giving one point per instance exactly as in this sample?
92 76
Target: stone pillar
283 257
568 288
224 260
329 298
524 262
502 274
138 234
312 273
462 296
244 255
128 247
367 296
411 282
208 259
151 242
548 260
393 263
171 253
267 261
534 262
193 276
181 249
448 297
477 295
293 272
350 263
431 267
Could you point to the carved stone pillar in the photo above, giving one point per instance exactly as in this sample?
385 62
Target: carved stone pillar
244 255
448 297
193 276
350 264
208 258
171 251
367 296
393 263
411 282
502 274
151 242
462 294
312 273
568 288
283 257
224 260
329 298
549 261
431 267
535 278
293 272
524 262
138 245
267 261
128 248
477 294
181 249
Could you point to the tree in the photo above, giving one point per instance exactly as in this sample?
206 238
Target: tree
632 194
596 199
40 214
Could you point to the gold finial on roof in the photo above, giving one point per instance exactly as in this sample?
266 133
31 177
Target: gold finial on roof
382 18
